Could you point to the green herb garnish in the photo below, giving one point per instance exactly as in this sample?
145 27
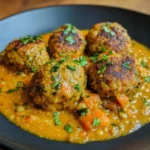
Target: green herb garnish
103 49
82 61
96 122
143 64
82 111
55 68
34 69
126 65
145 101
77 87
73 68
104 58
94 57
106 29
102 69
69 39
56 118
68 128
147 79
28 39
0 90
18 86
56 85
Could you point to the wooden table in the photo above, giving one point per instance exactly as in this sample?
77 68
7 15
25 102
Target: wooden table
9 7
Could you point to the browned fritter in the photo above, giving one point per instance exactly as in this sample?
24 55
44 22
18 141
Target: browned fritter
108 36
27 54
66 41
115 74
59 83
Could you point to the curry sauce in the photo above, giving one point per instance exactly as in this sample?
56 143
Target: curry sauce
17 107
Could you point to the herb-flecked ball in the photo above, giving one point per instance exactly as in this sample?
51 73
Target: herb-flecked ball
26 54
60 82
114 74
66 41
108 36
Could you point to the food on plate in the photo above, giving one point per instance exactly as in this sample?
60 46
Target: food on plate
67 40
108 36
26 54
60 88
60 82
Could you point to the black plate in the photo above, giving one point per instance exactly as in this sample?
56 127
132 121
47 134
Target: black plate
43 20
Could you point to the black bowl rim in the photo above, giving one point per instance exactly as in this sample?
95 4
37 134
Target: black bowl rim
78 5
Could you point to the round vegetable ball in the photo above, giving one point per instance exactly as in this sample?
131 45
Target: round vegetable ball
114 74
108 36
60 83
26 54
66 41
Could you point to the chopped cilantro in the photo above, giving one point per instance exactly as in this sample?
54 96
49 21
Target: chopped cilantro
77 87
126 65
143 64
34 69
28 39
69 39
104 58
55 68
56 118
0 90
110 52
18 86
103 49
82 61
147 79
94 57
56 85
145 101
73 68
102 69
68 128
96 122
82 111
106 29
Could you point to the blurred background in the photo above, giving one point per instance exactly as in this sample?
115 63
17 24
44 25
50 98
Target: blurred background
9 7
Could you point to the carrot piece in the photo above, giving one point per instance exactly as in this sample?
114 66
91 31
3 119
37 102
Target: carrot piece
65 90
92 101
123 100
87 120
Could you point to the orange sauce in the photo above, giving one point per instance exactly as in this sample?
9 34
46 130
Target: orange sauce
40 122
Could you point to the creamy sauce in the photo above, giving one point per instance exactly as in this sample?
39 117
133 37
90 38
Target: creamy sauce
18 109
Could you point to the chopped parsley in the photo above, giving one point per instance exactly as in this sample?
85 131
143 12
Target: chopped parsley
94 57
34 69
96 122
18 86
73 68
55 68
56 118
145 101
103 49
106 29
56 85
147 79
143 64
102 69
69 39
82 111
104 58
77 87
82 61
28 39
68 128
110 52
126 65
0 90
